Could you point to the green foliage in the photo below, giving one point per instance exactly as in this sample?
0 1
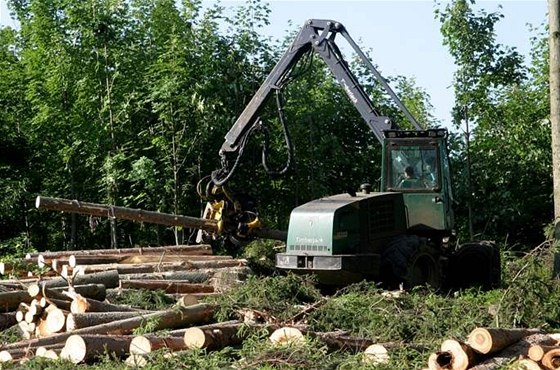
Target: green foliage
142 298
279 296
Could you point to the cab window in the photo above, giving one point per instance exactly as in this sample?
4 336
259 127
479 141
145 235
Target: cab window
413 168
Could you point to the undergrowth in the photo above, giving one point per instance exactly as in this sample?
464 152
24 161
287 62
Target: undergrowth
418 320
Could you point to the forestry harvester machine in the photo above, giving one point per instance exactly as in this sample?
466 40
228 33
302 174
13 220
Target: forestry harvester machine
403 233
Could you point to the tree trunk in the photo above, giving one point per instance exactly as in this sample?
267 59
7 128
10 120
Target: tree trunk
554 77
92 291
82 348
144 344
186 276
76 321
108 278
122 268
168 286
175 249
82 304
489 340
9 301
213 337
173 258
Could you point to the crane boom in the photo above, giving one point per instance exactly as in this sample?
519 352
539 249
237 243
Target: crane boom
318 36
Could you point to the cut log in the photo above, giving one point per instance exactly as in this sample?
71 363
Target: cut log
55 321
186 276
168 319
75 260
454 355
144 344
154 258
136 361
81 304
214 337
376 354
76 321
187 300
199 249
93 291
109 278
525 364
9 301
489 340
551 359
537 351
15 354
82 348
508 354
286 335
168 286
62 304
123 269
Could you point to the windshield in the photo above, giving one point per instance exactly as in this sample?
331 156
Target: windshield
413 168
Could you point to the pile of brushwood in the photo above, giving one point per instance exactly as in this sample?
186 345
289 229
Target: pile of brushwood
414 322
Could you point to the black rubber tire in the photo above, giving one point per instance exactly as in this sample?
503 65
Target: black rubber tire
475 264
407 260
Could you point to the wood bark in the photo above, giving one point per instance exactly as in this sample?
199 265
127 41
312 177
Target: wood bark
554 87
82 348
9 301
521 348
213 337
168 286
168 319
489 340
7 320
173 258
108 278
175 249
186 276
144 344
122 269
82 304
76 321
92 291
9 356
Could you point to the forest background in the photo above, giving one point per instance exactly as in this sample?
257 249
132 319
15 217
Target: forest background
127 103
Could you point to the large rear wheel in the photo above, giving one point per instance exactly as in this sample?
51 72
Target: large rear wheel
475 264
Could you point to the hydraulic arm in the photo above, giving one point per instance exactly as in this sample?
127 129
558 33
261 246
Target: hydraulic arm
315 36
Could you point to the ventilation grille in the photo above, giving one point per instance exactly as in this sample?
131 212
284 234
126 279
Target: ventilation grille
381 217
309 248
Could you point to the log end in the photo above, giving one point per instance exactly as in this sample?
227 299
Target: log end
136 361
480 340
74 349
286 335
376 354
140 345
195 338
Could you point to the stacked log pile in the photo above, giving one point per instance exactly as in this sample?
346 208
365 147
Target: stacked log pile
491 348
66 307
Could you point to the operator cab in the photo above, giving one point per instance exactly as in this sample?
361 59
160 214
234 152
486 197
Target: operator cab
416 164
